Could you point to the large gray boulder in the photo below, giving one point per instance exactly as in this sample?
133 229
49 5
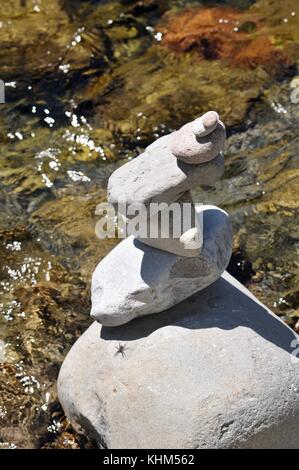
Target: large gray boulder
215 371
135 279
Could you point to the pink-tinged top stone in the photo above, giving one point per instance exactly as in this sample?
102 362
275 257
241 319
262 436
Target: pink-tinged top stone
199 141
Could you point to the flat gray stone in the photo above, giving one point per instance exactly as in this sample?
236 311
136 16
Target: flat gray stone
158 176
215 371
135 279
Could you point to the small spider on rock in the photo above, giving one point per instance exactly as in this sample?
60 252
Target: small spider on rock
120 349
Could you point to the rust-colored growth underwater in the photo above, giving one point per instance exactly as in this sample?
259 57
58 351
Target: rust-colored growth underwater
241 38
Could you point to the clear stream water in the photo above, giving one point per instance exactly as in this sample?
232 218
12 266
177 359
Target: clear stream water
88 85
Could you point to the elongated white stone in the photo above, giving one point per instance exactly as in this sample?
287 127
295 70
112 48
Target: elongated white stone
135 279
176 229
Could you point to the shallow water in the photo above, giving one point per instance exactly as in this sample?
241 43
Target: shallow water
88 86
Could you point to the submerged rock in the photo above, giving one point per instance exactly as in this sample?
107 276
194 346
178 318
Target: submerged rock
40 319
249 49
215 371
41 39
66 227
179 86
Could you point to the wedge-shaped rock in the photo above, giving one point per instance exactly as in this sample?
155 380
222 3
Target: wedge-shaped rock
158 176
136 279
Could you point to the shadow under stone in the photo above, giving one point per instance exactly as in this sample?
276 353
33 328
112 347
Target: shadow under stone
225 304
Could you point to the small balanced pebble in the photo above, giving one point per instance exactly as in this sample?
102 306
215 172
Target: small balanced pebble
199 141
205 124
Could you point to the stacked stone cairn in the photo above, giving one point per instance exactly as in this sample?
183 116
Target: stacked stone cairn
144 274
203 364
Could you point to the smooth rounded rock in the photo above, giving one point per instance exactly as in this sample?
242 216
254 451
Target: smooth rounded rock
135 279
175 229
205 124
215 371
193 149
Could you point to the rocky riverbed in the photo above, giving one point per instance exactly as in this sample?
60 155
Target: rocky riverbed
88 86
